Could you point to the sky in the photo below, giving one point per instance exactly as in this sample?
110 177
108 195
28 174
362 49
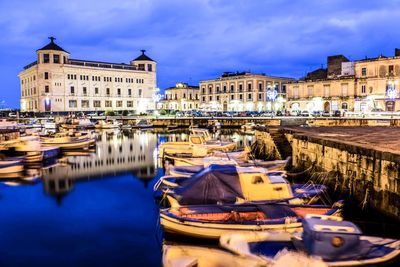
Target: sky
193 40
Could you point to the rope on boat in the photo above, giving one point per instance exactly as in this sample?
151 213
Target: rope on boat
365 201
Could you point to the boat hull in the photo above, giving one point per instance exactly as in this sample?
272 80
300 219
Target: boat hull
11 167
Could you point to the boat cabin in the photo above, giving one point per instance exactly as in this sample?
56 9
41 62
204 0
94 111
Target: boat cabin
259 185
330 238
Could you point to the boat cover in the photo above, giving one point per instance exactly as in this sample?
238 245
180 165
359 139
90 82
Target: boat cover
214 185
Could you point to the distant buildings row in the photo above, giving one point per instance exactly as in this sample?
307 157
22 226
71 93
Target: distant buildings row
55 82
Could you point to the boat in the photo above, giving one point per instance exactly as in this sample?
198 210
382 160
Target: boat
7 124
8 166
172 127
248 127
126 126
108 124
336 242
212 221
34 150
67 142
142 124
190 256
78 123
214 125
233 184
198 145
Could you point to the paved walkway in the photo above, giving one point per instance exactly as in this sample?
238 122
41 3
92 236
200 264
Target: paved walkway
386 139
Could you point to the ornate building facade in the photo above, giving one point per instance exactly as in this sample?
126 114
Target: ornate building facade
182 97
57 83
243 92
371 84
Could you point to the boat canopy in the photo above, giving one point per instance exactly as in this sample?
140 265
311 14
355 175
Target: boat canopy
215 184
231 184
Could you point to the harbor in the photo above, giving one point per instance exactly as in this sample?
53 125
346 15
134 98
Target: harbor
105 172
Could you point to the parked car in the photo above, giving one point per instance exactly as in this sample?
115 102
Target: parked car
305 113
316 113
294 113
267 113
326 114
279 113
336 113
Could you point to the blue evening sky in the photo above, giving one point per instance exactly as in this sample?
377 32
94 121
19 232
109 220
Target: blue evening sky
193 40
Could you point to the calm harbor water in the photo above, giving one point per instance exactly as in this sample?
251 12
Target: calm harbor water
95 208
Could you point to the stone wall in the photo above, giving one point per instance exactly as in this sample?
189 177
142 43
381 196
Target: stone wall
368 175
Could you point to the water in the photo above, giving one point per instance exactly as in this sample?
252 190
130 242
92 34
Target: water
96 209
92 210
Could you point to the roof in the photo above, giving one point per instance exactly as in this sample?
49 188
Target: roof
143 57
52 46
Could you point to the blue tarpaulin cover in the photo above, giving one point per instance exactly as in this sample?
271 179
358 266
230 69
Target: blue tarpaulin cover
215 184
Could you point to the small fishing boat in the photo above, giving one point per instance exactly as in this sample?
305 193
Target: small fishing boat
197 145
233 184
142 124
191 256
212 221
336 242
8 166
67 142
78 123
108 124
7 124
248 127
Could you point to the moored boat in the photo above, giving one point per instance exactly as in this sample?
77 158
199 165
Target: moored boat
336 242
108 124
11 166
212 221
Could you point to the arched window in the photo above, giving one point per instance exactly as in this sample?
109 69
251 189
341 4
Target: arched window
344 106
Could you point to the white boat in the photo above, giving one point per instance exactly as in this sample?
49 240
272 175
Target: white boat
11 166
198 145
142 124
78 123
33 149
67 142
49 124
212 221
336 242
108 124
6 124
233 184
196 256
248 127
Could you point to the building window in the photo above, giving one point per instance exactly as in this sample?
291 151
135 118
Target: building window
259 96
96 103
149 67
129 104
344 106
391 69
249 97
310 90
84 91
46 75
108 104
260 87
364 72
119 104
204 99
210 98
240 87
46 58
140 92
232 88
56 59
326 90
72 104
217 88
249 87
363 89
217 97
119 91
107 91
96 90
46 89
72 90
210 90
232 97
141 66
129 92
184 96
85 103
344 89
241 97
203 90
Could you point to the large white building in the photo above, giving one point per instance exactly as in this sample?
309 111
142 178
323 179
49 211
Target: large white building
57 83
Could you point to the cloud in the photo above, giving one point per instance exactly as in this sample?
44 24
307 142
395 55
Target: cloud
194 40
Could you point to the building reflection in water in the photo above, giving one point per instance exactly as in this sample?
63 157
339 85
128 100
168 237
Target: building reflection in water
116 153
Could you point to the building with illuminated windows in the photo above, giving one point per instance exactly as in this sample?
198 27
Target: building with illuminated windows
358 86
57 83
243 91
182 97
